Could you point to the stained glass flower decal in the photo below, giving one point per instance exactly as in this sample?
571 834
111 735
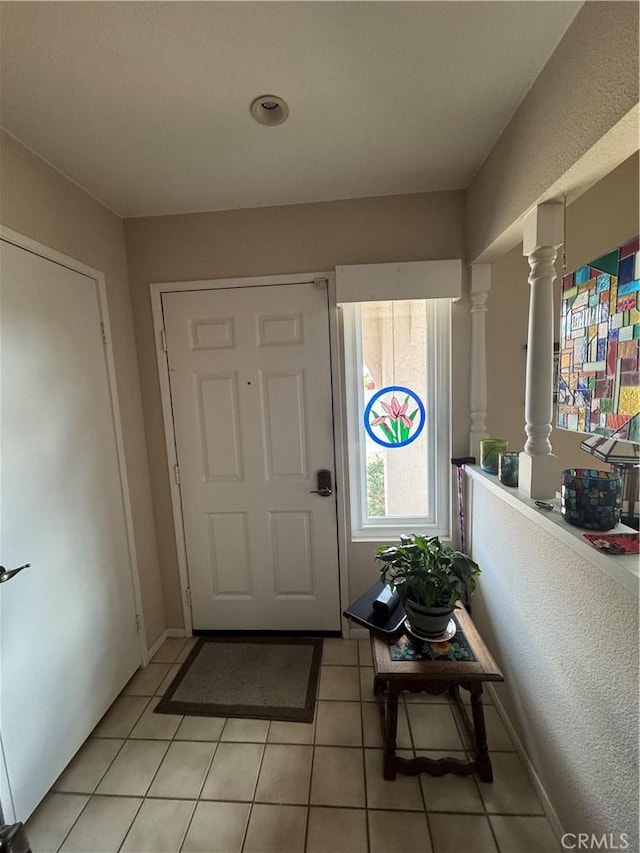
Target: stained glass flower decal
394 416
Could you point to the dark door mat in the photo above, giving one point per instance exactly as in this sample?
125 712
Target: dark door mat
265 678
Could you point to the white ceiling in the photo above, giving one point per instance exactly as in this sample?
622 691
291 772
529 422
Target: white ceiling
146 104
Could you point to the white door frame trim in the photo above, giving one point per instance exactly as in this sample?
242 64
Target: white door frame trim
23 242
157 289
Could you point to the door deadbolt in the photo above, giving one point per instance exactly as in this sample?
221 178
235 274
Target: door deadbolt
324 484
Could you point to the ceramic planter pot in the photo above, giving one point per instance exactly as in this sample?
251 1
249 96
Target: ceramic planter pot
428 621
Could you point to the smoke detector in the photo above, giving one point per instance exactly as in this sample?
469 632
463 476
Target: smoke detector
269 110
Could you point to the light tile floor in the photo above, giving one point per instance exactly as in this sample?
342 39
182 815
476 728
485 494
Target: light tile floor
151 783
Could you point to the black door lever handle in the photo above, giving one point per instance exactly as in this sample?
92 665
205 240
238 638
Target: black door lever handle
7 574
324 484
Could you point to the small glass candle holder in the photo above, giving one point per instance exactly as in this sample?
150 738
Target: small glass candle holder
508 462
591 499
489 450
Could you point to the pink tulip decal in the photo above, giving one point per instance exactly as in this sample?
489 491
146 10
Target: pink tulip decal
394 422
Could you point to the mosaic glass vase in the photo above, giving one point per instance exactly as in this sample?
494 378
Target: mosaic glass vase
508 465
490 448
591 499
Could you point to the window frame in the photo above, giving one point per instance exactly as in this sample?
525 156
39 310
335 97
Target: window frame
438 409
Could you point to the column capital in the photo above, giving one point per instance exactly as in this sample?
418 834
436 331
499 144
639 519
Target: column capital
543 226
480 278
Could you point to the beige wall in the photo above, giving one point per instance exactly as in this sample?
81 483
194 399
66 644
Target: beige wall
40 203
271 241
601 219
565 636
589 84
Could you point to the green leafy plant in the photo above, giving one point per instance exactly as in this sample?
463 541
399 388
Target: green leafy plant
426 571
375 487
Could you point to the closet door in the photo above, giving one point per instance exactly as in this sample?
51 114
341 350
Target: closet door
67 623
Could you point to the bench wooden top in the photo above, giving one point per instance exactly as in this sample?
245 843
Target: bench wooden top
483 668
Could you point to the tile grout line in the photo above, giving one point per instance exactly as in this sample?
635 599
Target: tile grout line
197 799
255 786
55 790
171 740
128 830
91 795
171 663
128 739
188 826
444 811
469 752
364 765
422 793
313 758
209 765
135 722
68 833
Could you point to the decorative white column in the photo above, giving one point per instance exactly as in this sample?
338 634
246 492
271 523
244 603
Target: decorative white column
542 236
480 285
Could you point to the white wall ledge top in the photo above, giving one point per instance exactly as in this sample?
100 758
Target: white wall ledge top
624 570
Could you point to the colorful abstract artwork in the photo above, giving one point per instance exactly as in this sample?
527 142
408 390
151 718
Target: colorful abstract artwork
599 379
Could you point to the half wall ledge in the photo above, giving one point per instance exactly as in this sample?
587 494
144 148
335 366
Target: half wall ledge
624 570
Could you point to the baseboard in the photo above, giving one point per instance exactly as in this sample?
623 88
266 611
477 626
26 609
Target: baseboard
177 632
550 812
154 648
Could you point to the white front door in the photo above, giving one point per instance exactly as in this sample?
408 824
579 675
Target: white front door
67 623
250 378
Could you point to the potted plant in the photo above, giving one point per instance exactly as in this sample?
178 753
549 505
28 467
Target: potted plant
429 577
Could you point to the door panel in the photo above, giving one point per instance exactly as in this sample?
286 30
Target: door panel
250 378
67 624
217 402
229 554
284 422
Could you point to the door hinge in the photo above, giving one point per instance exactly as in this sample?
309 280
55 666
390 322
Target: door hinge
320 283
103 333
189 596
138 624
176 474
163 339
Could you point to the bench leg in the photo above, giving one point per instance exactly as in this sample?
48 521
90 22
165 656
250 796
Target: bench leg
388 704
483 762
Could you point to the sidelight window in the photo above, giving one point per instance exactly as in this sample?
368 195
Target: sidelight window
397 358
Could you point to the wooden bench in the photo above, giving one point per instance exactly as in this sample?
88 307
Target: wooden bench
435 677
